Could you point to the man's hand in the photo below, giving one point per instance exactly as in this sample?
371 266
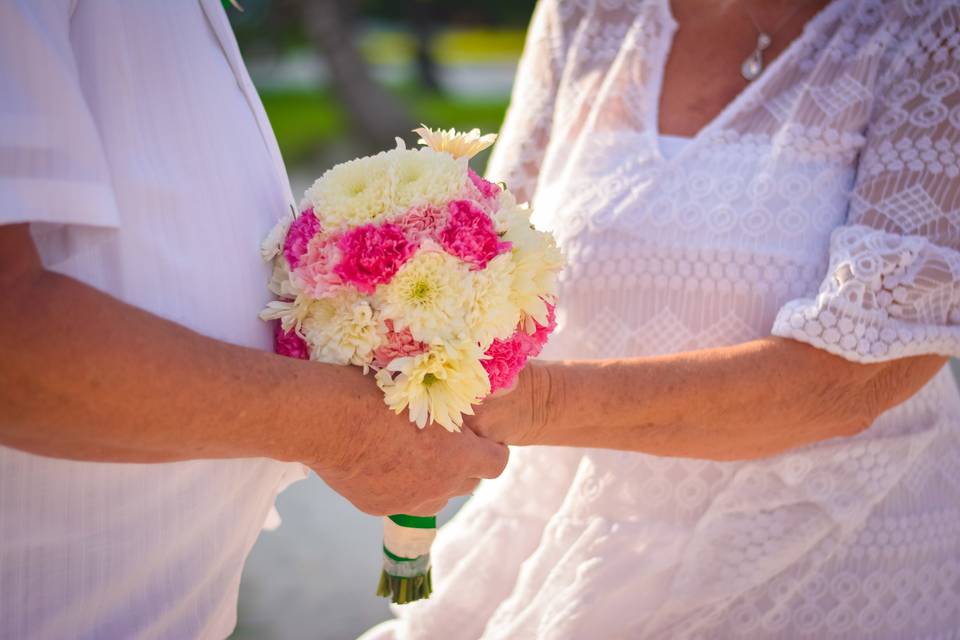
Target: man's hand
390 466
87 377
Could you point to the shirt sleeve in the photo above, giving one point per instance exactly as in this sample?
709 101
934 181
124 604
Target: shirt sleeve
52 164
892 288
526 129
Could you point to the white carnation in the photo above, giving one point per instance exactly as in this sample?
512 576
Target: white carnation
343 329
509 213
272 245
281 284
424 176
353 193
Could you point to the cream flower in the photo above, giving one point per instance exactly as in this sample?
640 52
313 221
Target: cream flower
509 213
272 245
280 282
493 311
290 313
424 177
428 295
343 329
353 193
459 145
537 262
440 385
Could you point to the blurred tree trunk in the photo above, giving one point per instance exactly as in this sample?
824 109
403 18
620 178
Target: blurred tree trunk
421 19
377 117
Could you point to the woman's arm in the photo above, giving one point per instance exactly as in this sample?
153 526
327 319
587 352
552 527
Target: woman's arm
751 400
87 377
846 352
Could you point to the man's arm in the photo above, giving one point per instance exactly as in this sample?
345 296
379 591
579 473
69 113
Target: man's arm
87 377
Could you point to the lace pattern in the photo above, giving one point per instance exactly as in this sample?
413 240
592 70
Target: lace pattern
888 296
892 285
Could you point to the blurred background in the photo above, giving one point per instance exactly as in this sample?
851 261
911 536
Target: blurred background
342 78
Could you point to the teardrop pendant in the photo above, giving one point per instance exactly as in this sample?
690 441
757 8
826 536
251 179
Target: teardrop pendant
752 66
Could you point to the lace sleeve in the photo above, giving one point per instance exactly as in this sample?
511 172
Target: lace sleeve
893 285
526 130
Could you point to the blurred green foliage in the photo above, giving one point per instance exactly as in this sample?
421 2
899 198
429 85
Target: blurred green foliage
274 25
451 46
308 122
313 126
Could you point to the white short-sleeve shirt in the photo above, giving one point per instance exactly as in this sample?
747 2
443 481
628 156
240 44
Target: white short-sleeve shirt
134 143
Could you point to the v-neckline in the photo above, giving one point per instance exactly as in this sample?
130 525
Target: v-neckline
656 88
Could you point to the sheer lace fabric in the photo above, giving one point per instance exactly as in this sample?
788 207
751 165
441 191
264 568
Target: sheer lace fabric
823 204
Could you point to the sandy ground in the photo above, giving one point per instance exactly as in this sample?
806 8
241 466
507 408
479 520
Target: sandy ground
316 575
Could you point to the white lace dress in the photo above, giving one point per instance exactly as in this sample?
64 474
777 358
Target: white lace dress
823 204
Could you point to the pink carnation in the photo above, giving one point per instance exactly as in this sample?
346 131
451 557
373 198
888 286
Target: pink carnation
422 222
288 343
488 189
398 345
315 273
534 343
470 235
506 359
372 254
305 227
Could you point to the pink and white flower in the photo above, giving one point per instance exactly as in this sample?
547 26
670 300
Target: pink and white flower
315 273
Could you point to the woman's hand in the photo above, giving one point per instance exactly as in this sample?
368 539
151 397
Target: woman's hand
518 415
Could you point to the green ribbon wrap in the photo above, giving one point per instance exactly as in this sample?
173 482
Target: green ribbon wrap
406 571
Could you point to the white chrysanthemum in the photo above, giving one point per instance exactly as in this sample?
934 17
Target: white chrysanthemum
272 245
440 385
424 176
343 329
459 145
428 295
537 261
353 193
493 312
290 313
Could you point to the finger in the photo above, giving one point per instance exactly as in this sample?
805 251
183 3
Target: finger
467 487
484 458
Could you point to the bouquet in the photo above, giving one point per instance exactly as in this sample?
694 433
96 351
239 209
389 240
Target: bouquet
410 265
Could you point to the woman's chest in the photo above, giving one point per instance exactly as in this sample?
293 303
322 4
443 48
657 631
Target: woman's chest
771 174
715 52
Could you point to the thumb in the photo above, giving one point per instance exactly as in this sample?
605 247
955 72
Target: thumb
483 458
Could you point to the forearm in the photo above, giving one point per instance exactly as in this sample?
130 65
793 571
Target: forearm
744 401
87 377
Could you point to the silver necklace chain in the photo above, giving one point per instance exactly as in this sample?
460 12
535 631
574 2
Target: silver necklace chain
752 67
